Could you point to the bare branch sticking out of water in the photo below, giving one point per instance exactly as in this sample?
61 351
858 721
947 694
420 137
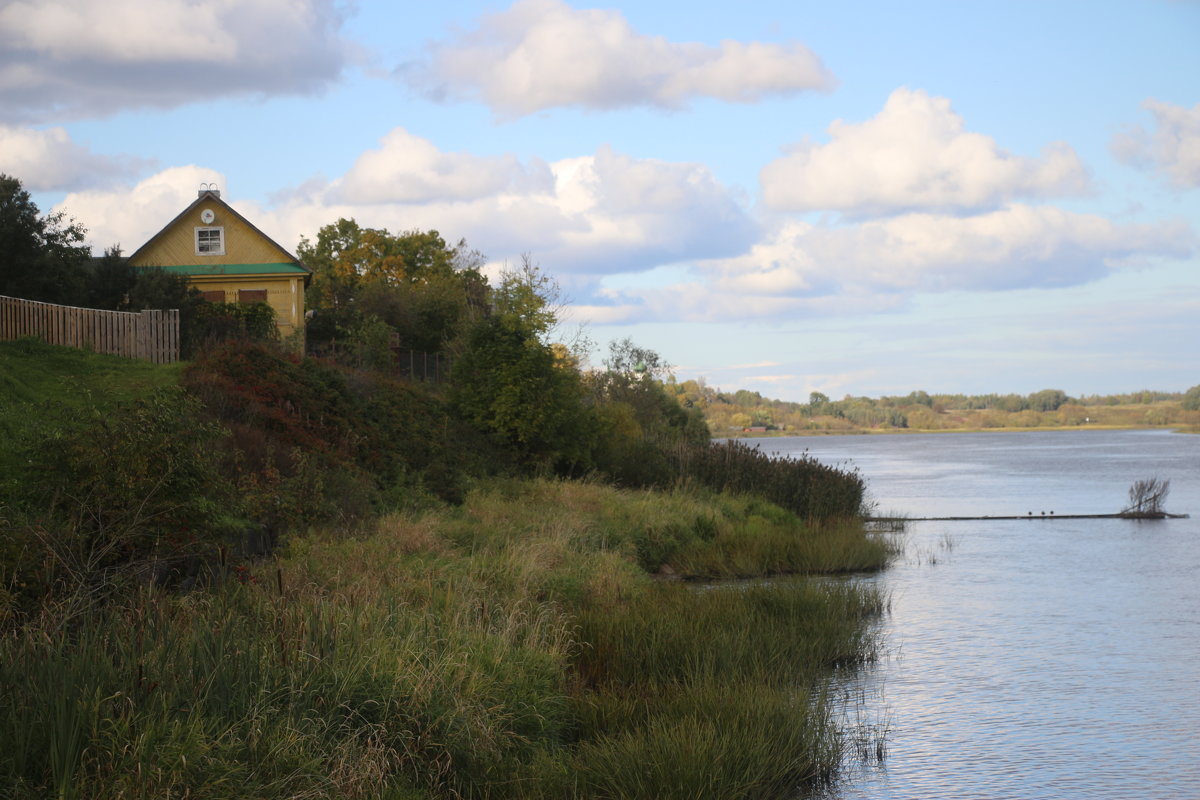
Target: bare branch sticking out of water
1146 497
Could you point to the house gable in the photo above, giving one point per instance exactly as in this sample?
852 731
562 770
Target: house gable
228 259
186 244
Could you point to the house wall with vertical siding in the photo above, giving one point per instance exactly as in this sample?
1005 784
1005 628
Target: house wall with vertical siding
250 261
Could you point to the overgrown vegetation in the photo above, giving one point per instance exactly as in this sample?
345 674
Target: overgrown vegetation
35 376
511 648
270 575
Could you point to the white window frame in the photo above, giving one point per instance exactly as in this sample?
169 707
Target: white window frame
220 237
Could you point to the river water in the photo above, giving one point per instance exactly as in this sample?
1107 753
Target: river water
1029 658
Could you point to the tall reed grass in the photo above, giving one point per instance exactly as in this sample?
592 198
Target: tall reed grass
517 647
802 485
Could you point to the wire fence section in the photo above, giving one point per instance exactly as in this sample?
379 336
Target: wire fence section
413 365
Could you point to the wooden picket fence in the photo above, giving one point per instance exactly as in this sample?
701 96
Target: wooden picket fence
150 335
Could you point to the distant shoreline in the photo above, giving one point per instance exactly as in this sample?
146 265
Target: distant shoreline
905 431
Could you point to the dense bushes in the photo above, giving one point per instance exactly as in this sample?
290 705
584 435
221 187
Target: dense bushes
257 445
508 384
134 492
802 485
293 442
264 443
513 647
394 436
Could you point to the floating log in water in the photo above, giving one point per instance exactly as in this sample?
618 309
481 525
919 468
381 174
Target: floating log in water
1122 515
1145 502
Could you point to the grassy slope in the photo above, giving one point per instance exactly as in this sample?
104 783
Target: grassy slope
34 376
511 648
528 652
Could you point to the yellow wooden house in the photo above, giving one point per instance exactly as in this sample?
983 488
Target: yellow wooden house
229 260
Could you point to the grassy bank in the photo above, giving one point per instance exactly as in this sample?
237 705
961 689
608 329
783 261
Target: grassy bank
267 577
33 374
518 646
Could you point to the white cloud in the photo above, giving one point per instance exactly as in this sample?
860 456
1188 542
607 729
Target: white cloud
73 58
409 169
709 300
1016 247
581 218
610 214
543 54
914 155
806 270
585 216
1174 147
47 160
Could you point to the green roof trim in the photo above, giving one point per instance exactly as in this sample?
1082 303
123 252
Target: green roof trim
233 269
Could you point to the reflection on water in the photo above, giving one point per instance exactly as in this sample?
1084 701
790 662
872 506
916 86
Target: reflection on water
1031 658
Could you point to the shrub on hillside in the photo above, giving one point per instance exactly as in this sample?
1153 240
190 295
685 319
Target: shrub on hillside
376 438
135 492
298 403
510 384
214 323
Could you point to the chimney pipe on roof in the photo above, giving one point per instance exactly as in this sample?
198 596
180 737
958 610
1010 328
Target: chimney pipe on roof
208 188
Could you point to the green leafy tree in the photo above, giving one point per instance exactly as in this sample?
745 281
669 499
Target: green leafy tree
427 316
628 359
335 274
347 257
819 404
44 257
110 281
529 298
633 376
1191 399
421 287
1047 400
918 398
512 383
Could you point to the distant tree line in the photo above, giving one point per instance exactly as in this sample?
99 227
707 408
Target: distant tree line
743 409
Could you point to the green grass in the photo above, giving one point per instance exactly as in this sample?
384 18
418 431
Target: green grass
31 372
545 639
33 375
515 647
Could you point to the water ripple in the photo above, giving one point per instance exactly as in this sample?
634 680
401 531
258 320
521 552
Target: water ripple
1034 659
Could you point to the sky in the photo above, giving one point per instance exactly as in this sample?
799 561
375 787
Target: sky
776 195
